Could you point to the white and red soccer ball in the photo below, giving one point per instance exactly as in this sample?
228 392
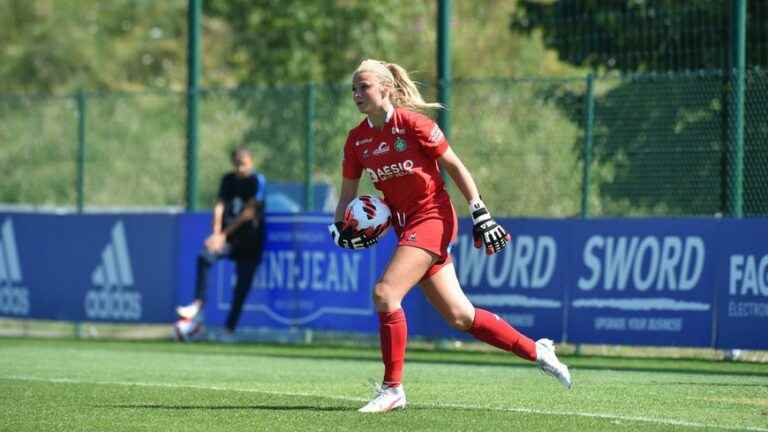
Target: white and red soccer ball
185 329
368 213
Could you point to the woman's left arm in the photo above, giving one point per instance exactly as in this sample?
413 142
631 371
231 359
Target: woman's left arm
485 230
459 173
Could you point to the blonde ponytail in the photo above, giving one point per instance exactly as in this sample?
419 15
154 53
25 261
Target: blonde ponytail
404 90
406 93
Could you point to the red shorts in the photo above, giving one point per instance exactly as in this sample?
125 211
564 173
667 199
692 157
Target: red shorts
433 231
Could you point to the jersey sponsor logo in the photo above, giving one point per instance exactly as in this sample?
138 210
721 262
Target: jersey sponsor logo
400 144
398 131
383 148
363 141
14 297
113 275
436 134
391 170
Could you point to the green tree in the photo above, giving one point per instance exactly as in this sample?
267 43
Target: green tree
648 35
258 57
59 46
278 47
296 41
662 143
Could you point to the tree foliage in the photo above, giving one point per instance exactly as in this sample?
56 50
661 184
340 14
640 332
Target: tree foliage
663 142
295 41
647 35
50 46
258 58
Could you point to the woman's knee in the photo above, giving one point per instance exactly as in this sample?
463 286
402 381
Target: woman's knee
460 319
385 296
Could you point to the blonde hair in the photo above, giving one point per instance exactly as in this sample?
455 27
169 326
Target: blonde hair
404 91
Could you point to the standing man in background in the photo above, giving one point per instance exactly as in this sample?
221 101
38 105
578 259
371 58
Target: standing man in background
237 234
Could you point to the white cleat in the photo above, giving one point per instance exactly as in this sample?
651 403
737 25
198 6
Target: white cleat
550 365
190 311
387 399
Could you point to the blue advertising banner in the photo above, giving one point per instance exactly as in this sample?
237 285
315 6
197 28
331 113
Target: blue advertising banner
642 282
742 284
657 282
114 268
525 283
29 287
303 280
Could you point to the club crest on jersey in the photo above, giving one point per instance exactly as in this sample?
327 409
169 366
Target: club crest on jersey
400 144
382 149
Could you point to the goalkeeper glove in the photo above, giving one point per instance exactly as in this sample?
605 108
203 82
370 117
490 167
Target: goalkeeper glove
485 230
347 237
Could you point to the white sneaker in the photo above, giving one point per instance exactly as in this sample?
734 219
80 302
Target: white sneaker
549 364
190 311
387 399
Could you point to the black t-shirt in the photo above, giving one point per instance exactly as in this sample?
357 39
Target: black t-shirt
235 192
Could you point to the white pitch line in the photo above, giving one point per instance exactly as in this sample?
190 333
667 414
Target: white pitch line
669 422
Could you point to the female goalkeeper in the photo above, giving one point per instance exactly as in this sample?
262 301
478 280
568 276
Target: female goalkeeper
400 149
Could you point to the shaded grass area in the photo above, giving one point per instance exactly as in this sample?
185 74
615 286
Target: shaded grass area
415 355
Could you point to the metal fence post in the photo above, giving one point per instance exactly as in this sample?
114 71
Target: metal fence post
309 149
736 136
444 65
80 176
586 156
589 119
194 12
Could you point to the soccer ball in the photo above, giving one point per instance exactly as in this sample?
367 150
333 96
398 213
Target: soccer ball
368 213
186 328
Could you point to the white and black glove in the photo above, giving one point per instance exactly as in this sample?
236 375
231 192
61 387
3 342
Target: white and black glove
348 237
485 230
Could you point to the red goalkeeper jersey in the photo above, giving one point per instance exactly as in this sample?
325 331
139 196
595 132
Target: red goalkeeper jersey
401 160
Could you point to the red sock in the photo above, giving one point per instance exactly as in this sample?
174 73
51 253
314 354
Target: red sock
491 329
393 333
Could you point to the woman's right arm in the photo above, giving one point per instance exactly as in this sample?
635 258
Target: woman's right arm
347 194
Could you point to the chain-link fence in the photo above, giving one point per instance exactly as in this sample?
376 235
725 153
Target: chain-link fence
756 144
647 35
656 144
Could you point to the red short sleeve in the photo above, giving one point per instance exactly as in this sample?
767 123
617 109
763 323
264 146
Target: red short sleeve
350 165
429 134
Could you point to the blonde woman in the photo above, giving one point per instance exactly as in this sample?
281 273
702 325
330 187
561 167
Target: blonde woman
402 151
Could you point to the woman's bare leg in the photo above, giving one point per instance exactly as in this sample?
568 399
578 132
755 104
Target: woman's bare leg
444 292
407 266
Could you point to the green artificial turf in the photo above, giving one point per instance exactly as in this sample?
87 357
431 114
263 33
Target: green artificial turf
70 385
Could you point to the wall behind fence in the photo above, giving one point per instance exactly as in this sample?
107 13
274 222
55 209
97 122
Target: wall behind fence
661 282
